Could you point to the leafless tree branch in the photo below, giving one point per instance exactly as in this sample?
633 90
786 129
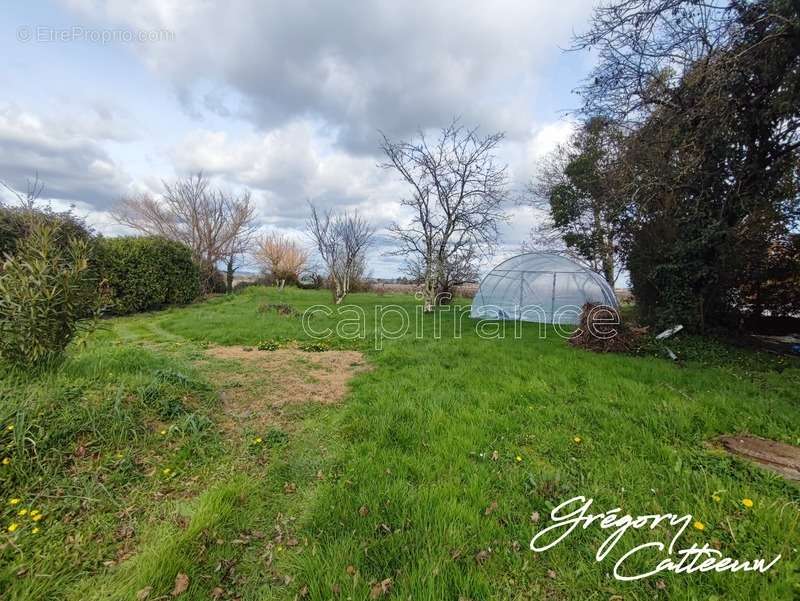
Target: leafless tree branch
456 196
341 241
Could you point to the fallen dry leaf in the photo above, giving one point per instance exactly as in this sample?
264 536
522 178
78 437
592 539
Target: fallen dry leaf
336 589
144 593
481 557
289 488
379 589
495 455
217 593
535 517
303 592
351 570
181 584
363 511
551 574
489 510
455 554
661 585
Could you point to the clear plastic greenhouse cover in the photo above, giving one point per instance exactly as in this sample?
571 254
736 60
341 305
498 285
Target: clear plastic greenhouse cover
540 287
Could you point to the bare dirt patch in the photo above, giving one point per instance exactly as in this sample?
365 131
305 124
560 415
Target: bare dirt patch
261 387
778 457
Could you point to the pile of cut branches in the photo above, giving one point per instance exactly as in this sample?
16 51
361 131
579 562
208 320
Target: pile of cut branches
601 330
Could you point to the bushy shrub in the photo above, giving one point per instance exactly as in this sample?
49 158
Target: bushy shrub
16 223
47 294
147 273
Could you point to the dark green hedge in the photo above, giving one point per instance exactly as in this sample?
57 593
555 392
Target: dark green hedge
147 273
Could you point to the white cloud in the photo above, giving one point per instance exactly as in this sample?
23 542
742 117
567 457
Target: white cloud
358 65
72 165
287 99
290 166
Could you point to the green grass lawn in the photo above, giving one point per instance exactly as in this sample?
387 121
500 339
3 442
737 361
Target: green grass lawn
424 478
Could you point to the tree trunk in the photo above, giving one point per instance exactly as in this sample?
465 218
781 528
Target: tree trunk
434 275
229 276
338 291
608 265
207 273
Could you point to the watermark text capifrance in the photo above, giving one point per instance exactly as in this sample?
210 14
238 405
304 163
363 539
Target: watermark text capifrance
393 322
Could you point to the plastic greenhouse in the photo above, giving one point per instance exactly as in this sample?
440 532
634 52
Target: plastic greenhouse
540 287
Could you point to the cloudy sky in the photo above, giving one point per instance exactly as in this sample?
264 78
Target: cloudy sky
284 98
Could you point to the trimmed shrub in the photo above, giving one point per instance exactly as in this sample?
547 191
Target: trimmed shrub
47 294
146 273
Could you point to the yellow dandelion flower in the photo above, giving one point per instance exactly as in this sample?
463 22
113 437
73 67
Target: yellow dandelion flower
14 501
258 440
22 512
6 460
10 427
698 525
166 471
577 439
163 432
747 503
35 512
35 531
37 517
518 458
12 527
716 498
119 455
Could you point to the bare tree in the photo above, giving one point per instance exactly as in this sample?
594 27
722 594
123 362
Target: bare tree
460 269
341 241
242 214
457 192
210 222
27 200
281 257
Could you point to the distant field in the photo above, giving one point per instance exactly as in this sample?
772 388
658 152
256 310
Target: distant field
170 446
